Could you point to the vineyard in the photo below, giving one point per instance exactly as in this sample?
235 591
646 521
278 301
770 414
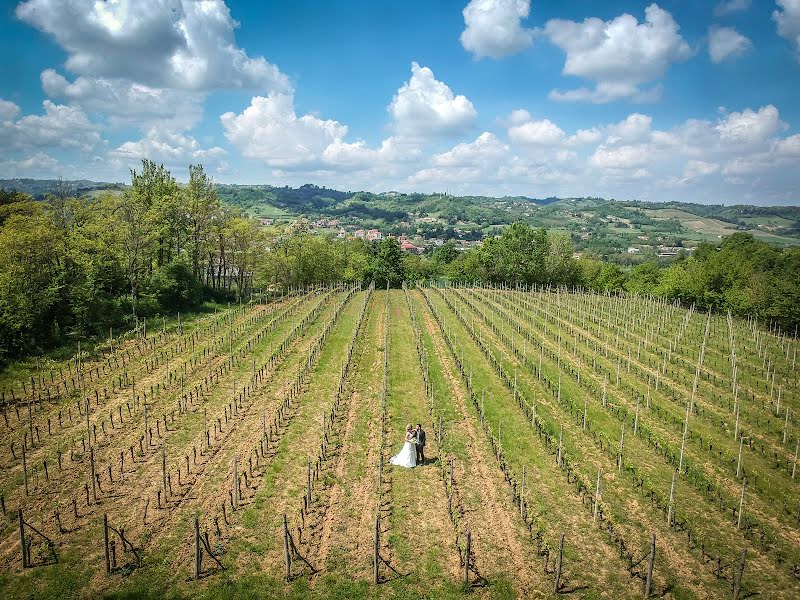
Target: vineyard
585 445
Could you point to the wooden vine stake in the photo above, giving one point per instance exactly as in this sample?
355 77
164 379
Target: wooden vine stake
670 511
376 548
648 584
741 504
198 554
467 552
24 467
557 584
737 581
23 545
287 557
597 496
106 549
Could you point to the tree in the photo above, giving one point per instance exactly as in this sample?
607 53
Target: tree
387 264
446 253
562 268
203 206
644 278
30 281
517 256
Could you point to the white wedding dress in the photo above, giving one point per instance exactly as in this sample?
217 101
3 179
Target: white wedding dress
407 457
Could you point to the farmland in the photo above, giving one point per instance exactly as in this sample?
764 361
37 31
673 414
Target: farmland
587 445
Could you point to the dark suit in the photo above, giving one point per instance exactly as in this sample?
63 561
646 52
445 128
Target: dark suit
420 446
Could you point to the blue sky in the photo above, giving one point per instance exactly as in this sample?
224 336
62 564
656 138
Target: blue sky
675 100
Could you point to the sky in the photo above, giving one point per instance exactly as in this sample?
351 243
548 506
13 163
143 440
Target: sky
686 100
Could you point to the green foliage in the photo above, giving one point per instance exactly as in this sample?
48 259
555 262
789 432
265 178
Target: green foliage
72 267
643 279
387 267
174 285
446 254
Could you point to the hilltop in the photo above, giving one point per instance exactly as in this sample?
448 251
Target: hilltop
626 231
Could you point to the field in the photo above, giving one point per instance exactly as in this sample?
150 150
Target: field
583 445
709 230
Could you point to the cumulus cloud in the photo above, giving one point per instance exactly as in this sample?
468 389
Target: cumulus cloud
725 43
466 162
425 106
740 154
620 157
59 126
618 55
39 165
750 127
175 44
270 130
788 21
8 110
125 102
494 29
730 6
487 147
537 132
146 63
633 128
788 147
167 147
358 155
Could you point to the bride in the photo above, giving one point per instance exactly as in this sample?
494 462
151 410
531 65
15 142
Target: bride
407 457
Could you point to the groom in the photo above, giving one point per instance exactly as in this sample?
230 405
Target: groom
419 444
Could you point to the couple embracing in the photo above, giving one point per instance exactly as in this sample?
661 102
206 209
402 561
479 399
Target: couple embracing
413 452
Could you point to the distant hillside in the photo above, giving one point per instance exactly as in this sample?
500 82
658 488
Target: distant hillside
39 188
599 226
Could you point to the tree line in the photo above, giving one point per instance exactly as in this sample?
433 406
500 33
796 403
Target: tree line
74 267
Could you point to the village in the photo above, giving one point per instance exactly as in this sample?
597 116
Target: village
412 243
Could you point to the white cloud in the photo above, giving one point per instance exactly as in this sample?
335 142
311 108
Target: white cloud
788 147
741 155
174 44
788 21
584 137
694 170
475 162
621 157
730 6
487 147
493 27
126 102
618 55
358 155
537 132
424 106
146 63
269 130
750 127
8 110
170 148
726 42
633 128
699 168
38 165
60 126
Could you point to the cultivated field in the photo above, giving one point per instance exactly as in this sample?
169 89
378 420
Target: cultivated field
578 444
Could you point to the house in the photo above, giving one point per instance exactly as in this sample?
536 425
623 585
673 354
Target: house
374 235
633 250
360 233
409 247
